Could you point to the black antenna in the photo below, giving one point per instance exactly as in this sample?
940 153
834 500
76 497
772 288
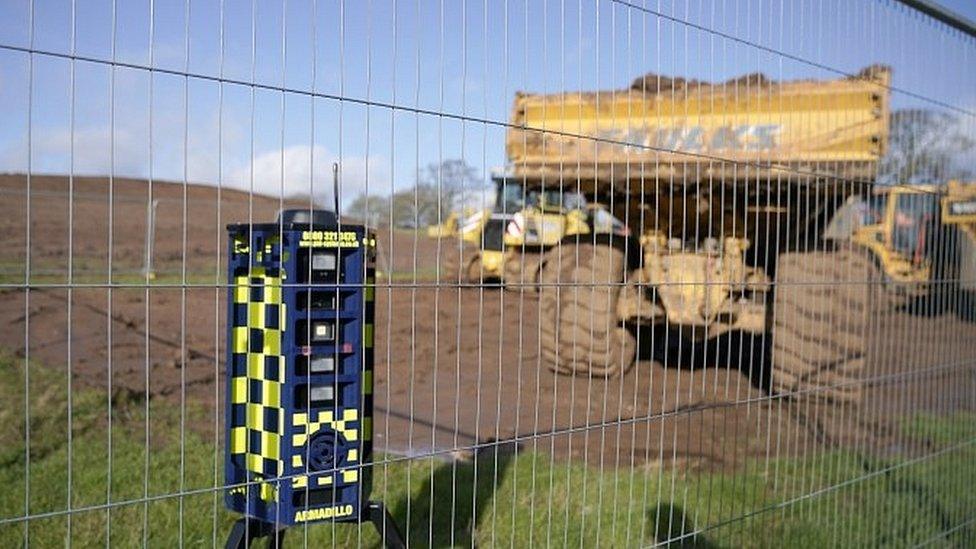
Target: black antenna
335 186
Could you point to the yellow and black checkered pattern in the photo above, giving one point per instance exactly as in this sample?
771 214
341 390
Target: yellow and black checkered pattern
345 425
369 297
258 372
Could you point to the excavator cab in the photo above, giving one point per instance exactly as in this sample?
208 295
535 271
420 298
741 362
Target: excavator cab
900 227
913 224
918 233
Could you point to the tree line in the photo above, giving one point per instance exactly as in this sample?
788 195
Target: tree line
440 188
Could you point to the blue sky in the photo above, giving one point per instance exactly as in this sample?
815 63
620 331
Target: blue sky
464 58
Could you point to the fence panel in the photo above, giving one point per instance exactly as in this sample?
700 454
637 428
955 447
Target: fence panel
602 273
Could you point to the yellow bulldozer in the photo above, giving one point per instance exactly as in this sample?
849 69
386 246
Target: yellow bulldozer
726 189
505 245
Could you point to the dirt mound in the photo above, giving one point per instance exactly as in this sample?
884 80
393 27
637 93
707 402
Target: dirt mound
657 83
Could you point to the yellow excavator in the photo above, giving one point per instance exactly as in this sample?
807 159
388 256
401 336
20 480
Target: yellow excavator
923 237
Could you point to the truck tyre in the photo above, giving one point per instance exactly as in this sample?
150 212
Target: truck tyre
522 271
514 272
473 269
580 285
461 266
826 307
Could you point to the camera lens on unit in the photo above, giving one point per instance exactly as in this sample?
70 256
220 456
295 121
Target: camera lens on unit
323 261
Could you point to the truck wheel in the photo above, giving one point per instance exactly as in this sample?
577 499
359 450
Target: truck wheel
965 305
513 272
580 285
522 272
461 266
826 306
473 270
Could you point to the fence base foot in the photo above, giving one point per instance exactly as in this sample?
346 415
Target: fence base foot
385 525
245 531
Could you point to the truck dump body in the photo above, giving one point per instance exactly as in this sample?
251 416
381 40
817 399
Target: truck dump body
680 130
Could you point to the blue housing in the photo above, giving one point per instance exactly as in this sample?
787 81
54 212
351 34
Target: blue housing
299 402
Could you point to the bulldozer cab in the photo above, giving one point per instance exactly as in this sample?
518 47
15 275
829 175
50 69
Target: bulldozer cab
537 216
548 216
542 216
509 195
555 201
513 195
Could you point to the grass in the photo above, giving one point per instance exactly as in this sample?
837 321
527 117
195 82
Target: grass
499 498
95 273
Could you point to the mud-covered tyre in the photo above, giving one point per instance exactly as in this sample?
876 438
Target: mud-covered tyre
826 308
513 277
522 272
965 305
473 270
456 265
580 285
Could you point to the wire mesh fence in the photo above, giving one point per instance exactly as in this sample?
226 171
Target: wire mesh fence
554 272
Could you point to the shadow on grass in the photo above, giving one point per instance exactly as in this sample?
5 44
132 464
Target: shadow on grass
674 528
446 510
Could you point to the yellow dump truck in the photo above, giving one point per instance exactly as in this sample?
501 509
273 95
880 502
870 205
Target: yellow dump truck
726 189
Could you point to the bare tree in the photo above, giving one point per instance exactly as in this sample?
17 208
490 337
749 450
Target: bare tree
928 146
454 181
374 210
440 189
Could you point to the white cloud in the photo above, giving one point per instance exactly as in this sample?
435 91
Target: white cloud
298 161
92 156
51 152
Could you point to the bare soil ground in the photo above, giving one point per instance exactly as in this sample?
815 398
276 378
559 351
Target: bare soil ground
455 367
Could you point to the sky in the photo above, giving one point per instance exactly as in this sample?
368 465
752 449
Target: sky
362 82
